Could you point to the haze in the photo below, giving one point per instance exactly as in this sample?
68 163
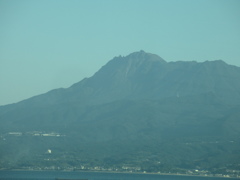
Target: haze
51 44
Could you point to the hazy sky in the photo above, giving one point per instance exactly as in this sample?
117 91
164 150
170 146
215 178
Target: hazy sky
48 44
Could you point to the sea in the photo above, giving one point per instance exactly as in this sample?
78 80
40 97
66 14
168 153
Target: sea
53 175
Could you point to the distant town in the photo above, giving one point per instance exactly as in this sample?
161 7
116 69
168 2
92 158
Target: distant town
128 169
33 133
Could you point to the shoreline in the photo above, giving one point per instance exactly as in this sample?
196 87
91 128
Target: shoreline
119 172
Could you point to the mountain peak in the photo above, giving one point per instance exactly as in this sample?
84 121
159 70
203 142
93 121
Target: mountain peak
142 55
135 62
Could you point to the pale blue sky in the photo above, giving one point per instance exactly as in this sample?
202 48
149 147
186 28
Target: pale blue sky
48 44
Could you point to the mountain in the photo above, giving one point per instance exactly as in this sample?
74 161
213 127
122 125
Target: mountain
138 107
143 75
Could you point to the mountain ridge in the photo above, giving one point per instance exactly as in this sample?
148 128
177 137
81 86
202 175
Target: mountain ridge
142 68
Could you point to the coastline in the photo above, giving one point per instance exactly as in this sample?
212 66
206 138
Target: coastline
121 172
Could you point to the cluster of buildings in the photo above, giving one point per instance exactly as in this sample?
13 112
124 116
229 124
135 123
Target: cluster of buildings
34 133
